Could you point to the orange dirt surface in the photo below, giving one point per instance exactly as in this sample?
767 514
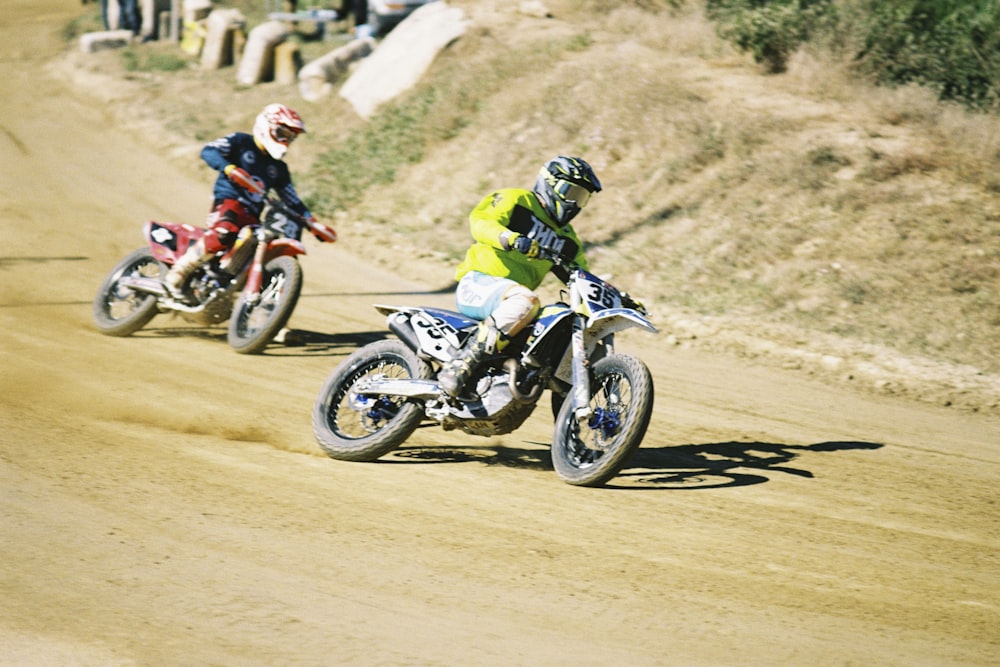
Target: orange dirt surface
162 500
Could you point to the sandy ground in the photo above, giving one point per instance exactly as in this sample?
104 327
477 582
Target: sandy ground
162 500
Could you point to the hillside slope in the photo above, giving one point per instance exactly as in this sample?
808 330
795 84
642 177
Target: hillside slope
804 219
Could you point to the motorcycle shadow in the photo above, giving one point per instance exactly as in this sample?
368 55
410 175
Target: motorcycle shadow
289 343
719 465
204 333
493 454
304 343
680 468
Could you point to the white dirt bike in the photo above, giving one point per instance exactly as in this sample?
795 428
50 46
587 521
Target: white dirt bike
602 400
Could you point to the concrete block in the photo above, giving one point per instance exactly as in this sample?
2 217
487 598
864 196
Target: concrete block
317 77
287 61
221 28
257 64
403 56
197 10
150 11
92 42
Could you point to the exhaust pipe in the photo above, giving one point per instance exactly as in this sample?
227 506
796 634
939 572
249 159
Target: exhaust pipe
156 288
512 366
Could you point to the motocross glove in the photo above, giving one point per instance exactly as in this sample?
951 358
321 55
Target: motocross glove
527 247
629 301
323 233
241 177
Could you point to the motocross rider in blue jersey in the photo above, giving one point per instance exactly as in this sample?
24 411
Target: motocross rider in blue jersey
502 268
248 166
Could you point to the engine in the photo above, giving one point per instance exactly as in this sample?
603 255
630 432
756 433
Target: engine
495 412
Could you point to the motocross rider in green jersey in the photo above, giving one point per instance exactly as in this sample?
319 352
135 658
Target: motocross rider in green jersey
502 268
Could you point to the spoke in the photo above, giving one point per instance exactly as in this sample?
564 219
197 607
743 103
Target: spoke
352 422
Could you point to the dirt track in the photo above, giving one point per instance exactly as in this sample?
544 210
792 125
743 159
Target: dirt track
162 500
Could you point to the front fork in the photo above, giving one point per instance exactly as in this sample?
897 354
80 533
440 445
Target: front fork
581 373
268 247
581 377
255 277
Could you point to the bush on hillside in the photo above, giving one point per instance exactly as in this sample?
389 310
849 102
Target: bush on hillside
949 46
770 30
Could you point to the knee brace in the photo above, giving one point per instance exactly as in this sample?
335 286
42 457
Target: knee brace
221 235
516 309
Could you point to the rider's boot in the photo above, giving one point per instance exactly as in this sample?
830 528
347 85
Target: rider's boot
456 373
178 274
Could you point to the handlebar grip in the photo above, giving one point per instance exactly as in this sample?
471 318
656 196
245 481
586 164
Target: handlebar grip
323 232
545 252
243 179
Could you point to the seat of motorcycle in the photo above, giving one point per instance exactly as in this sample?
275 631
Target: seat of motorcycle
453 318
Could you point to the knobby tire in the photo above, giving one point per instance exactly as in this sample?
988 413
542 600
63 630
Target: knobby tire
348 433
119 311
248 339
622 388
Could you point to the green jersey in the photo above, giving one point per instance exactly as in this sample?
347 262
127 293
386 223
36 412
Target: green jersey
516 210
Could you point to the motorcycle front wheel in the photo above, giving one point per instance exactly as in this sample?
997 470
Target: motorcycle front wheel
364 428
621 404
119 310
253 325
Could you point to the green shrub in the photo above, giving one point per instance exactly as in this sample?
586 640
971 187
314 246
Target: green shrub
770 30
950 46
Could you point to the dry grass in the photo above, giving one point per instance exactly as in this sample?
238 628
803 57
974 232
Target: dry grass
807 200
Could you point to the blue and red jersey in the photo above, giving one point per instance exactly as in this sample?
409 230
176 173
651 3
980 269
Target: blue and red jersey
239 148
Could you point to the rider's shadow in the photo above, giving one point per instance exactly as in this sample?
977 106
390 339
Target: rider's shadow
684 467
292 343
719 465
490 455
304 343
205 333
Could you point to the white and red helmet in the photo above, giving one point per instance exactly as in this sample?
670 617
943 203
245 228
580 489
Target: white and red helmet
276 127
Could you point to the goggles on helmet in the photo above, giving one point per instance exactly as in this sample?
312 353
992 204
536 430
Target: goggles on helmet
284 135
571 192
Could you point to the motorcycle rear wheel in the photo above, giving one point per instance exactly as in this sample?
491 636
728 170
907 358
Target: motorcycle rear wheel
621 404
119 311
253 326
364 433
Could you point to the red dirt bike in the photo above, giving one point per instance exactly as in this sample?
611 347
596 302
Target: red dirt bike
255 284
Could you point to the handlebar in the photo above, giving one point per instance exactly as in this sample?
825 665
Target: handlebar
321 231
551 255
275 202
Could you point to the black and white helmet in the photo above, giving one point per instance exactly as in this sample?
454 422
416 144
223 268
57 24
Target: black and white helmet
564 186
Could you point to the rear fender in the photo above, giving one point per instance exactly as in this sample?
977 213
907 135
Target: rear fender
168 240
436 332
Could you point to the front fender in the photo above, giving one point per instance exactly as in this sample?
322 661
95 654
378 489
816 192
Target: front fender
617 319
283 247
